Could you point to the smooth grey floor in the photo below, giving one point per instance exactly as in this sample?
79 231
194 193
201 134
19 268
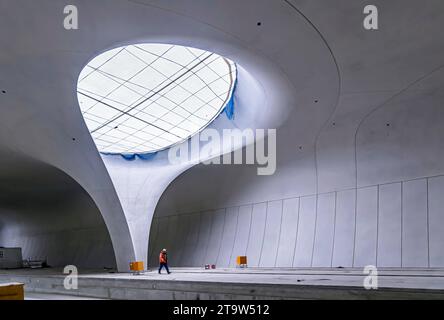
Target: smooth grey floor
413 278
395 278
232 284
51 296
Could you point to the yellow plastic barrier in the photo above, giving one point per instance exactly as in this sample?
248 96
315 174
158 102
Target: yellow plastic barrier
136 266
241 261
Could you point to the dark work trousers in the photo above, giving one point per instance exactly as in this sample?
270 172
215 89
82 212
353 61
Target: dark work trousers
164 265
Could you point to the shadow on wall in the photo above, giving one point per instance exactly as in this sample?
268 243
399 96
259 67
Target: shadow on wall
50 216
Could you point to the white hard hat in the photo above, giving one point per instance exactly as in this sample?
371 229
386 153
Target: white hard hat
164 249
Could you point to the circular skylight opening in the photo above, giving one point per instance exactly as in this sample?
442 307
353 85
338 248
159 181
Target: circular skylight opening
147 97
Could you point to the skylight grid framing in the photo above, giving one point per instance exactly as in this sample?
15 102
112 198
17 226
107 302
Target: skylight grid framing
137 101
176 122
201 127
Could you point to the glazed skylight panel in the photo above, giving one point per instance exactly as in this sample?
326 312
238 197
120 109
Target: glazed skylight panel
146 97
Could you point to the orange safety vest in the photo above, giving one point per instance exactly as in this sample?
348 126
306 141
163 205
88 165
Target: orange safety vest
163 257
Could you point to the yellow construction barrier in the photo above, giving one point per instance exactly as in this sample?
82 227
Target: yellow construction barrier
136 266
12 291
241 261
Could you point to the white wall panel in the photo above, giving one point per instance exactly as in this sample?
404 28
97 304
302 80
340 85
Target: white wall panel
345 229
305 237
204 236
178 252
152 241
256 234
170 237
272 234
436 221
389 226
366 227
289 226
229 234
159 243
215 240
414 224
325 229
191 240
242 233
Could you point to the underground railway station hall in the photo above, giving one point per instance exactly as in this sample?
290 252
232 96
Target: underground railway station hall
221 150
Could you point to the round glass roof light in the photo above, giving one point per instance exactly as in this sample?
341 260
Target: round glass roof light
147 97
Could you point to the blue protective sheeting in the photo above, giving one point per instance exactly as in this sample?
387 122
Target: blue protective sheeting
229 108
133 156
129 156
146 156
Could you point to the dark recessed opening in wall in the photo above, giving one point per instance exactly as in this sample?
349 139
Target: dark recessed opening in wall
259 24
40 202
3 91
316 101
73 139
387 124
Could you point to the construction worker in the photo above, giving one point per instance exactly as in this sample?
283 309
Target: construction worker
163 261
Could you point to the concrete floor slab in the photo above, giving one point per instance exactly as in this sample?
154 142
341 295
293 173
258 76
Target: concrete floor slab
49 296
230 283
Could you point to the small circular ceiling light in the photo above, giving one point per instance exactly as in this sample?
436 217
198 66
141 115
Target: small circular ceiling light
147 97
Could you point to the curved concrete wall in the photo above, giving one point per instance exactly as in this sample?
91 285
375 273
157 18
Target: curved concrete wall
360 186
43 120
397 224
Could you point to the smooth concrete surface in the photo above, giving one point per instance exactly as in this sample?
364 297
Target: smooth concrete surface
359 137
41 73
391 228
250 283
366 180
50 296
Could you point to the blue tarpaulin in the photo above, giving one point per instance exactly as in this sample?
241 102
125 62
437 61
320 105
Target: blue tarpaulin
229 108
133 156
